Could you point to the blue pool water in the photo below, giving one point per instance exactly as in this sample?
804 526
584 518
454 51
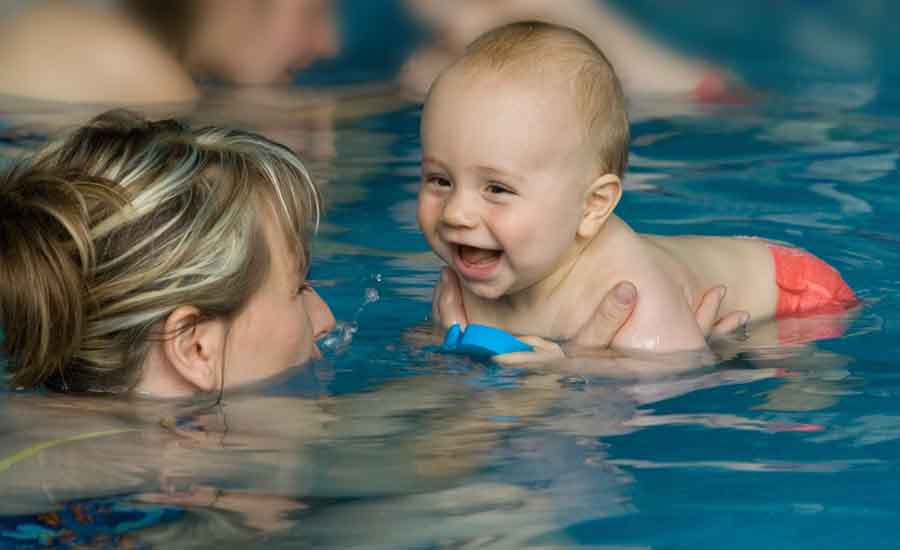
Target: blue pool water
384 445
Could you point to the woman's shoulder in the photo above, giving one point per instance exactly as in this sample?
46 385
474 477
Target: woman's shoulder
76 52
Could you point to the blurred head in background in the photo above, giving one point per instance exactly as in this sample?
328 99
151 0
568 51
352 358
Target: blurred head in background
152 51
243 41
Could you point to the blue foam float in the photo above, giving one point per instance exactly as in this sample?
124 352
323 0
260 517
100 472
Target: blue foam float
481 342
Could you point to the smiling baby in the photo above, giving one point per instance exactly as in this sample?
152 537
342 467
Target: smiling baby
525 143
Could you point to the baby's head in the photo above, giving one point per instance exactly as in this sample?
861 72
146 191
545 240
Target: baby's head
137 254
525 141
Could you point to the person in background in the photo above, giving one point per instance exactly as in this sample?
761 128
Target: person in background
644 65
152 51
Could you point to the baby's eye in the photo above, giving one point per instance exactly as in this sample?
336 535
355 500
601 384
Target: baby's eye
497 189
437 180
304 287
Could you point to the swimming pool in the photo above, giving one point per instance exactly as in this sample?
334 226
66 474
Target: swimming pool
384 445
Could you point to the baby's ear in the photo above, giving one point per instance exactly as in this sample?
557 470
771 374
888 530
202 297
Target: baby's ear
600 200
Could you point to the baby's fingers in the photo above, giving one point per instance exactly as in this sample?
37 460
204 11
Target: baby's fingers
544 350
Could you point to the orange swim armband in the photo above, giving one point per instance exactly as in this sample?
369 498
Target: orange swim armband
807 284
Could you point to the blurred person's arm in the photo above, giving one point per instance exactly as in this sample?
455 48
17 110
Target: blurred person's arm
62 51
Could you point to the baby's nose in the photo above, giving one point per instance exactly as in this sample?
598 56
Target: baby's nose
458 212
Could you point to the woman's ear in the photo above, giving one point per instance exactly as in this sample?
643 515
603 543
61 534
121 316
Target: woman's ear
600 200
195 348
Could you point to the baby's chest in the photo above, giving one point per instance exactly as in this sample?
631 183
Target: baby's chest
550 320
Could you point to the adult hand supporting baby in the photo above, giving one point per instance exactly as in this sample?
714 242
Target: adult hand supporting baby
708 319
447 309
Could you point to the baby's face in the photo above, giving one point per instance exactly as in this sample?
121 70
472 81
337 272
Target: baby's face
504 172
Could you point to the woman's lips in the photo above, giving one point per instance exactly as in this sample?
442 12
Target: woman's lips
476 263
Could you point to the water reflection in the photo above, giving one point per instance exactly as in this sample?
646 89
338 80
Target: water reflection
488 458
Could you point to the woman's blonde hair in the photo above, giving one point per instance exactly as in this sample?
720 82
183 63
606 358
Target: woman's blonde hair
104 233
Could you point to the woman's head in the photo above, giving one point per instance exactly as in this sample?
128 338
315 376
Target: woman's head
138 254
243 41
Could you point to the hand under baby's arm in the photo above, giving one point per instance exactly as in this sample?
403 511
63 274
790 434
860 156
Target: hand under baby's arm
596 336
663 320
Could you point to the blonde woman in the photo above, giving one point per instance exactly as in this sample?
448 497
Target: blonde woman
150 257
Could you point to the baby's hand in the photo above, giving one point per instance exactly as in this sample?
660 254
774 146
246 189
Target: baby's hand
544 351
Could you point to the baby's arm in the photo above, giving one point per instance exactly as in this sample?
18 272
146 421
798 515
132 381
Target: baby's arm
663 320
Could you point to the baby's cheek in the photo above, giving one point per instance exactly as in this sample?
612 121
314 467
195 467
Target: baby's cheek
424 212
521 229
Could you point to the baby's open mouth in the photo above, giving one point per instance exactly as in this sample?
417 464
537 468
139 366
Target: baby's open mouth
478 257
475 263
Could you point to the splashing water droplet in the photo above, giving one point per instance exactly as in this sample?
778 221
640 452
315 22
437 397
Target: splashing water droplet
371 296
339 339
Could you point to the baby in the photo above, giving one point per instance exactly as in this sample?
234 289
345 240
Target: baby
525 142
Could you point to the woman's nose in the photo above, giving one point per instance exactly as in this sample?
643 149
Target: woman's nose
319 315
458 211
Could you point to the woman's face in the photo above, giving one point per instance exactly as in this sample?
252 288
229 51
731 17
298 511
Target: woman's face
261 41
279 326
